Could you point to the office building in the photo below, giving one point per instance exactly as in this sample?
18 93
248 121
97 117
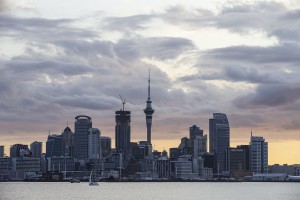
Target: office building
182 168
122 131
235 159
23 166
199 145
1 151
149 112
246 148
68 142
162 168
36 149
105 145
60 164
5 168
19 150
54 145
194 131
82 125
219 139
185 146
94 143
258 155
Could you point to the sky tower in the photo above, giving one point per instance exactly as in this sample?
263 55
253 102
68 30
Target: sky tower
149 112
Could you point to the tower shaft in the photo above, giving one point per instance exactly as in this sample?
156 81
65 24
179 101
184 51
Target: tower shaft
149 112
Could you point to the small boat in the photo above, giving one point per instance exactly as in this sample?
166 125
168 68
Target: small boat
92 182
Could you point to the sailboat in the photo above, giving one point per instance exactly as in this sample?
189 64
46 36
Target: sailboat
92 182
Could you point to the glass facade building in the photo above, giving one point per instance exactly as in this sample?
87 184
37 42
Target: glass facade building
219 139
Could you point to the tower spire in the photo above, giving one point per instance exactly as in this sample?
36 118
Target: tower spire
149 86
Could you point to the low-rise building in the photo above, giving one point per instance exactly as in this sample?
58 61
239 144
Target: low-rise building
60 164
22 166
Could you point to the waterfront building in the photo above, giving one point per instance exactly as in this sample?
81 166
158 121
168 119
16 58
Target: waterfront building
94 143
105 145
149 112
5 168
246 148
68 142
292 170
54 145
235 159
36 149
182 168
19 150
82 124
60 164
162 168
219 139
25 166
1 151
122 131
258 155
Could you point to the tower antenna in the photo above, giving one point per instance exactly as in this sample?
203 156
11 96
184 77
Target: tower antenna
123 101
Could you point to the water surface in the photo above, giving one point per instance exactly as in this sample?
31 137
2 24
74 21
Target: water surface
147 191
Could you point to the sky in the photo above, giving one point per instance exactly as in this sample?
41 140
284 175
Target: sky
60 59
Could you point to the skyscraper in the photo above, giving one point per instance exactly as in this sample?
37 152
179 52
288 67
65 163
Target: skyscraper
258 155
68 142
36 149
149 112
54 146
122 130
196 132
94 143
82 124
219 139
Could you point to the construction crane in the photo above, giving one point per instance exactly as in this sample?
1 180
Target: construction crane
123 101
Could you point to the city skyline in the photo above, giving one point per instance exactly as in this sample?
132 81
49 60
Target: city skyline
235 58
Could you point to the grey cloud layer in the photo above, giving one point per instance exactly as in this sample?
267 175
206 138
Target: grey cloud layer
66 70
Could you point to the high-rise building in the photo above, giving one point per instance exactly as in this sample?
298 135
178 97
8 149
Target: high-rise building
199 145
195 131
68 142
19 151
149 112
258 155
36 149
105 145
94 143
219 139
82 125
1 151
122 131
54 145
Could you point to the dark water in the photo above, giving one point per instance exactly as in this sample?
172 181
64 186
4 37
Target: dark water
147 191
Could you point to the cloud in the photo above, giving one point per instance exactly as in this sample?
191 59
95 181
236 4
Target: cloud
160 48
269 96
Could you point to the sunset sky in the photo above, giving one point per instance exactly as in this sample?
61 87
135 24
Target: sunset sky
60 59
